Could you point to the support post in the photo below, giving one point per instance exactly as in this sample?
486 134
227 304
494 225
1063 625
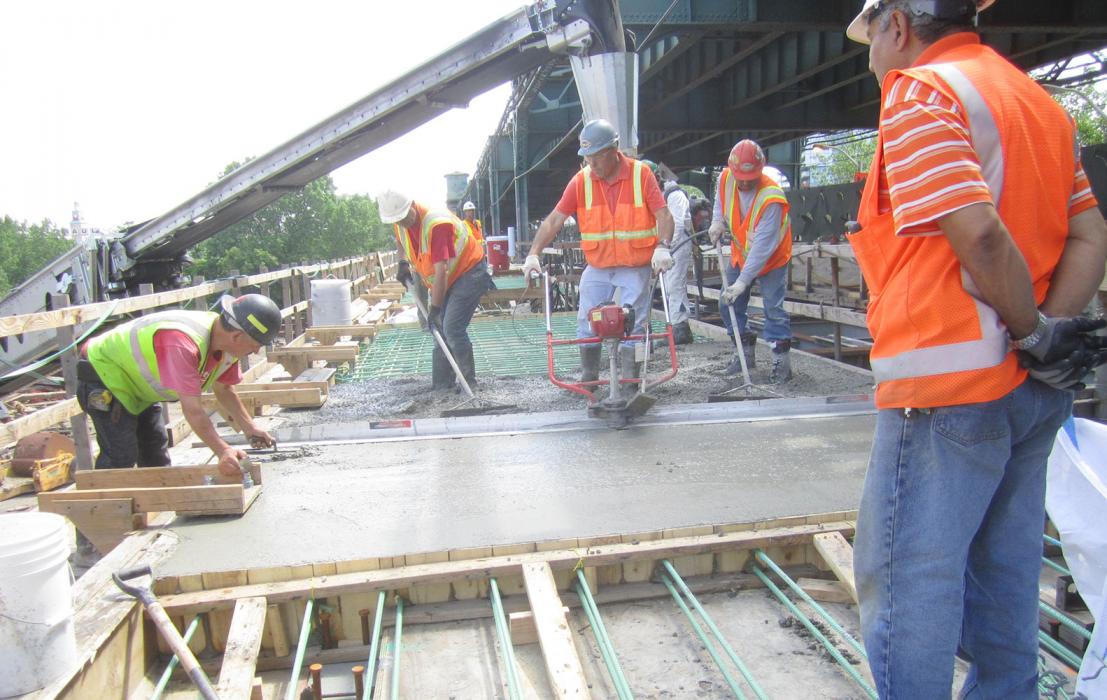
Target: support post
79 422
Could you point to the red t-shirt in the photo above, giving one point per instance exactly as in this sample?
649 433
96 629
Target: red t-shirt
178 357
442 242
651 193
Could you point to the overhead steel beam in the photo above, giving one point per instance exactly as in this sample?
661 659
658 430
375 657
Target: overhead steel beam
684 42
716 70
851 52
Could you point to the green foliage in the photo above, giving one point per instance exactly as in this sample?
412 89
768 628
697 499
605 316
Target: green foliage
1087 105
840 163
311 224
27 248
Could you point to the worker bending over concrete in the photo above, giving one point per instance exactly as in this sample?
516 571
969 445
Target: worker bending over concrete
625 229
124 375
676 277
980 242
754 207
450 261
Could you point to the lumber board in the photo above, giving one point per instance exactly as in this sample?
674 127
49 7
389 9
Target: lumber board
499 566
838 555
329 334
240 658
522 628
16 486
825 591
105 522
292 396
322 377
156 477
226 499
824 312
311 353
39 420
563 666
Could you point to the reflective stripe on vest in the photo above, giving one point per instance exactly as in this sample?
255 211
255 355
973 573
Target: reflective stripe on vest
991 349
421 261
743 228
461 239
639 202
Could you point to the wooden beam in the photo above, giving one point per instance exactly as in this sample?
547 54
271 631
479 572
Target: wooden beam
563 666
295 397
193 500
482 568
153 477
824 312
521 625
39 420
105 522
838 555
328 353
825 591
240 658
329 334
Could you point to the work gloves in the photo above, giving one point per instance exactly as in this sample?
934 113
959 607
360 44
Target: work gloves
716 231
532 267
662 258
1064 351
434 319
403 273
731 293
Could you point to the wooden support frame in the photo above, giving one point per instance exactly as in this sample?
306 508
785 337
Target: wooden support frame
236 678
838 555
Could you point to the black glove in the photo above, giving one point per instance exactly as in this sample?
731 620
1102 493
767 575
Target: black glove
1066 353
434 318
403 273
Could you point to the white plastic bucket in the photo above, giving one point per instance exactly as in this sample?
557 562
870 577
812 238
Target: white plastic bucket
330 303
37 640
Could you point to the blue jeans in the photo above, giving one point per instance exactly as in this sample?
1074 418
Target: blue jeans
598 284
949 544
777 325
462 299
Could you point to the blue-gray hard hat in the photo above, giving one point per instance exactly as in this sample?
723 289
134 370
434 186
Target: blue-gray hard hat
597 135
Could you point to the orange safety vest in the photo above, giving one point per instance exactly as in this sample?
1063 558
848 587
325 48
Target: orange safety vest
935 341
768 192
625 239
474 229
467 249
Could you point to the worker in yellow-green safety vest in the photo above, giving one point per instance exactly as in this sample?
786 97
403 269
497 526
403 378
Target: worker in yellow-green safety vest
125 374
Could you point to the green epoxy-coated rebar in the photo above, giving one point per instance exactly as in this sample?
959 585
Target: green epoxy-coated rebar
374 647
603 640
767 561
671 570
1064 619
504 633
1051 540
1056 567
397 632
833 650
501 347
169 668
301 647
1058 650
703 638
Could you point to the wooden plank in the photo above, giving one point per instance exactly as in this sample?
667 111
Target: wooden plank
105 522
296 397
39 420
312 353
521 626
236 678
825 591
329 334
16 486
563 667
197 500
152 477
838 555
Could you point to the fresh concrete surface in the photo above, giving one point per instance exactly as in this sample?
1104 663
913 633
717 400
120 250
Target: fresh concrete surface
358 501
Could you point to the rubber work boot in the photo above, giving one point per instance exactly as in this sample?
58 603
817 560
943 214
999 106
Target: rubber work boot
590 362
682 333
782 362
749 348
629 368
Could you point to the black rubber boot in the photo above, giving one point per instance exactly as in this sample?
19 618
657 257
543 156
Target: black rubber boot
749 347
682 333
782 362
629 368
590 362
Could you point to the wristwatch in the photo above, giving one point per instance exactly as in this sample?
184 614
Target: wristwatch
1035 336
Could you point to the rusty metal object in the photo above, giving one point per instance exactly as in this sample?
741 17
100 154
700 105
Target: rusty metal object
43 445
316 681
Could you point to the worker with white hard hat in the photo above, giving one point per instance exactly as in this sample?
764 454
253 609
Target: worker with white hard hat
625 230
981 243
450 262
469 216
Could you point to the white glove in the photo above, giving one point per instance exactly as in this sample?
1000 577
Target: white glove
731 293
716 231
532 267
662 259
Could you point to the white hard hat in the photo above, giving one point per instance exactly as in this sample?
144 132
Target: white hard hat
468 205
858 29
393 206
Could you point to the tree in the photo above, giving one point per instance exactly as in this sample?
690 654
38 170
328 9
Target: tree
1087 105
839 162
27 248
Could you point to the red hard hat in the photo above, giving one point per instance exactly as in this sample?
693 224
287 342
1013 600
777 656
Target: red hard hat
746 160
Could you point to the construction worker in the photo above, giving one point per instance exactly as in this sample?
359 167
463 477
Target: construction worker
469 212
753 206
676 277
979 237
440 248
125 374
625 229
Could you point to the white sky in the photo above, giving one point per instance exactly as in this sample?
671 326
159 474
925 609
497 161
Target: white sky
130 107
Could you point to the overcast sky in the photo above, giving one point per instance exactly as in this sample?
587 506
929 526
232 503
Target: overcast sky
131 107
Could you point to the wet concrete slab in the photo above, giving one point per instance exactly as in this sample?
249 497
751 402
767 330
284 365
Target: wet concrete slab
356 501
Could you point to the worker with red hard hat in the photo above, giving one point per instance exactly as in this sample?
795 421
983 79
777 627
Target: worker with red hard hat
754 208
981 244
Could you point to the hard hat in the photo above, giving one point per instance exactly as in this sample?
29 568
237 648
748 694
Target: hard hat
747 160
393 206
254 314
597 135
468 206
858 29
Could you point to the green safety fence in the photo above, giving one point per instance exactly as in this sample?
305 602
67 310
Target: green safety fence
501 347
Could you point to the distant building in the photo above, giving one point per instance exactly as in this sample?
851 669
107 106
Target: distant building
81 234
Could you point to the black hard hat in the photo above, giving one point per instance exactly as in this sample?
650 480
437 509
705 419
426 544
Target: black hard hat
254 314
